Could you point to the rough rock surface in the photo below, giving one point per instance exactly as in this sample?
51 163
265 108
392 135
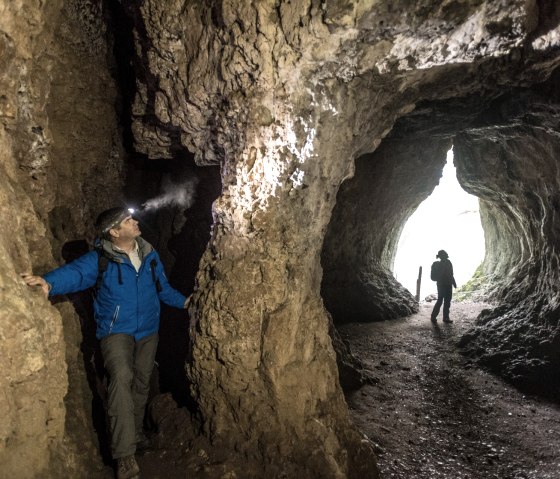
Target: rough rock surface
284 96
33 381
512 165
61 163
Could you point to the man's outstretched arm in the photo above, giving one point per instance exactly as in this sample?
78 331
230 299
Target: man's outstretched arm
70 278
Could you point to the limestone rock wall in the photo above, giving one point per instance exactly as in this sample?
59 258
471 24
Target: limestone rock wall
513 167
33 382
361 241
59 149
285 96
265 276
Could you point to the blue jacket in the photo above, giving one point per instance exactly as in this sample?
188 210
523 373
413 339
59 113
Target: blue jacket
131 307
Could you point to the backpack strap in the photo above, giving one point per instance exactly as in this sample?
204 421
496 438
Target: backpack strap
102 263
155 279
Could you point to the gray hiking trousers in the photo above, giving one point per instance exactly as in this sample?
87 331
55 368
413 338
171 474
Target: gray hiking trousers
129 365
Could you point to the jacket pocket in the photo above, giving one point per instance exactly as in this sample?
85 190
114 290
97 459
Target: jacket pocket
115 317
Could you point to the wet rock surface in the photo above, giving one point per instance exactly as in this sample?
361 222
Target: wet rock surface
434 414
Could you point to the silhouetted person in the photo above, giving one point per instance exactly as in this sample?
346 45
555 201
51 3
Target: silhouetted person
442 272
130 282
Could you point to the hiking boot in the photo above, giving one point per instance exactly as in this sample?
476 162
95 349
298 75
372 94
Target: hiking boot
127 468
447 320
433 319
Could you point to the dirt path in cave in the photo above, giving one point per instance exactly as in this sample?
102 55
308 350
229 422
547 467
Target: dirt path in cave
433 415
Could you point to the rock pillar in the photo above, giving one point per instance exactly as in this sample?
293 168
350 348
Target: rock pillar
264 369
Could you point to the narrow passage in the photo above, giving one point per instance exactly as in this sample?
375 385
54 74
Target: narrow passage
433 414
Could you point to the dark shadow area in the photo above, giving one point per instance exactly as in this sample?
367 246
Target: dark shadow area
187 247
180 234
121 64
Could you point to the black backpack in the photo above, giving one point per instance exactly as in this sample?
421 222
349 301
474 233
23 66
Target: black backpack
435 272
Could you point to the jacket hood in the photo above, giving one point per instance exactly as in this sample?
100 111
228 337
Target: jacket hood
110 252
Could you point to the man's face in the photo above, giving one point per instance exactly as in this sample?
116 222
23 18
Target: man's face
127 229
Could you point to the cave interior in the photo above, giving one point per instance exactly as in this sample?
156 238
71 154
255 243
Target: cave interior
278 150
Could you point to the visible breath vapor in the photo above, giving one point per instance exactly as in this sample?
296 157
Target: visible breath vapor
181 195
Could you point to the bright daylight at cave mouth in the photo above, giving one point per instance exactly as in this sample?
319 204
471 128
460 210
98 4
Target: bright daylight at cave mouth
448 219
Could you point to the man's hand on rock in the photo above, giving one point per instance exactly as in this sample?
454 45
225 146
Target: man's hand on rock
34 281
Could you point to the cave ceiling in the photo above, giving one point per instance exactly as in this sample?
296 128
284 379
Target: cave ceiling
208 75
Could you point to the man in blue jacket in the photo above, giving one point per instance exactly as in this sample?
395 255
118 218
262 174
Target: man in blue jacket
130 282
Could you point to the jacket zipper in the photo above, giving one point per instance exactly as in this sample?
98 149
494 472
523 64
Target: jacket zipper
137 299
115 316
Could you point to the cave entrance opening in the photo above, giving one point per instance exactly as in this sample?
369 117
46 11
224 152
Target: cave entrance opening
448 219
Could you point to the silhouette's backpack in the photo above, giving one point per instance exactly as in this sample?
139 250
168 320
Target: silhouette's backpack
435 272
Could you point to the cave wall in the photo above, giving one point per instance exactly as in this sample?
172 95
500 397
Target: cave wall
285 96
512 164
505 151
61 164
361 240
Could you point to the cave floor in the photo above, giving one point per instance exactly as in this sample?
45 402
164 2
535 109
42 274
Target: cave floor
432 414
